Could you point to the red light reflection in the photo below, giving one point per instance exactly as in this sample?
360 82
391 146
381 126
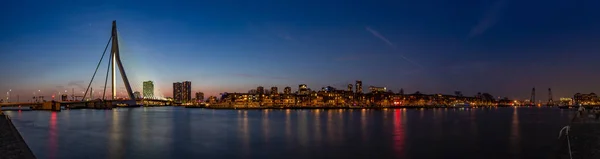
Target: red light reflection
53 136
399 133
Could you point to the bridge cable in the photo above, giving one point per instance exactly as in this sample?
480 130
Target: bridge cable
107 71
99 62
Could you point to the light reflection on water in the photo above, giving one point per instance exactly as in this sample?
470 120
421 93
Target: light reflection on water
175 132
514 132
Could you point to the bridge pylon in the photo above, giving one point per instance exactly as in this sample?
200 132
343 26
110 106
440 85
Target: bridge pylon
116 60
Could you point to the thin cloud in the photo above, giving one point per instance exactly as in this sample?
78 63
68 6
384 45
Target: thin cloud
489 19
376 34
389 43
285 36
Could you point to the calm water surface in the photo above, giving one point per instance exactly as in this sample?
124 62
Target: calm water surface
176 132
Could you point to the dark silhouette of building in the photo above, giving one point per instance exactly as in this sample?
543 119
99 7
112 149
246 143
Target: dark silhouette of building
199 96
260 90
350 87
287 90
274 90
359 87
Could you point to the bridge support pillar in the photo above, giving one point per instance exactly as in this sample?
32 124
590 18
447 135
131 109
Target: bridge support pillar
51 105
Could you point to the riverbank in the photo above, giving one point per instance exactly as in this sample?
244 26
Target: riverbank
12 145
337 107
583 139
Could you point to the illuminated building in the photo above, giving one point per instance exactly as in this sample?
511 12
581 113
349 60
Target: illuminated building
177 91
274 90
586 99
199 96
350 87
566 101
359 87
148 89
287 90
303 89
374 89
212 99
186 91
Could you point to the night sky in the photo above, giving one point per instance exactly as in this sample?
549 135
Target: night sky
504 47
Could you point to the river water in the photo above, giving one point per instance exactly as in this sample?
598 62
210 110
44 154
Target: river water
177 132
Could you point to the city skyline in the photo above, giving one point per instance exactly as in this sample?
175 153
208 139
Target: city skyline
501 47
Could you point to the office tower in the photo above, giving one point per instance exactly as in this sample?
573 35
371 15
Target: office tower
350 87
148 89
359 86
177 91
186 91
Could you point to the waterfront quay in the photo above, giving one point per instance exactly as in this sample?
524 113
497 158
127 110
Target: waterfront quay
582 139
323 107
332 98
12 145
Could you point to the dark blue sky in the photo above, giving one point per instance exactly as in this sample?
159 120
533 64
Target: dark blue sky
503 47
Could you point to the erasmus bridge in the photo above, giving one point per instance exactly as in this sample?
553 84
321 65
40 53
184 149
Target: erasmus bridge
106 102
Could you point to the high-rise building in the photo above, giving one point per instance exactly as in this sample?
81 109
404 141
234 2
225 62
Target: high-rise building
274 90
182 91
260 90
359 86
186 91
148 89
287 90
350 87
177 91
199 96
